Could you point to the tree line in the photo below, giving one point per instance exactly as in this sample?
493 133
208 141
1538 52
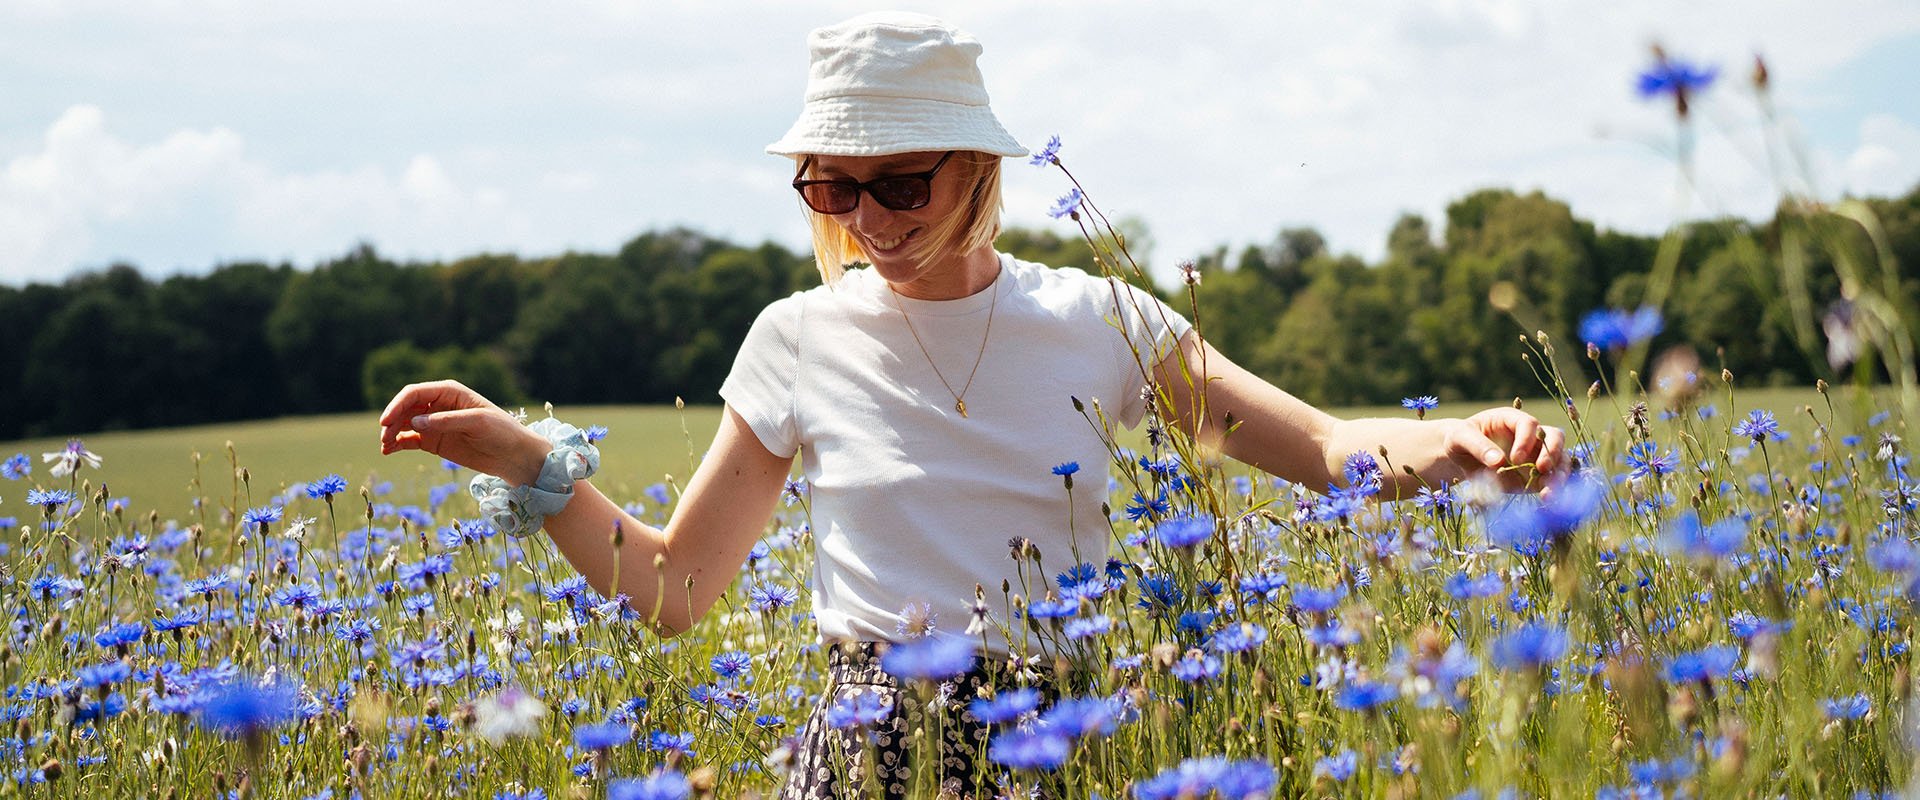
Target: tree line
662 317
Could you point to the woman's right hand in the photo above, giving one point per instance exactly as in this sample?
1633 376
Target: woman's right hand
449 420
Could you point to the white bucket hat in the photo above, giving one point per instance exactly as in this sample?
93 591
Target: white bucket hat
893 82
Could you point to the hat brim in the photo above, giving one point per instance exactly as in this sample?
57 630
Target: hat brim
880 126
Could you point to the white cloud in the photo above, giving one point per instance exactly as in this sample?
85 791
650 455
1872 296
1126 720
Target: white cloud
88 197
1887 162
438 129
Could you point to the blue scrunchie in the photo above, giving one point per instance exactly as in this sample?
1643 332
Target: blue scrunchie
520 511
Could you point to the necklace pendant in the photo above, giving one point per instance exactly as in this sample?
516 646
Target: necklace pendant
960 406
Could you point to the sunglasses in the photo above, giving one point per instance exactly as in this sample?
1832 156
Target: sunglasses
896 192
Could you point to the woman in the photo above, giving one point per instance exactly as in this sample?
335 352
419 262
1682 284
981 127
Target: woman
929 393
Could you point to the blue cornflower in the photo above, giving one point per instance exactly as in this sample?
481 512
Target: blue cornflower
1526 525
858 711
1333 634
1895 555
357 630
668 742
731 664
1238 638
181 621
1047 155
1707 663
1067 469
1365 695
1437 501
242 708
1337 767
930 658
1420 405
1209 776
1068 205
297 596
107 674
16 467
1673 76
570 589
1034 749
1184 531
120 635
1758 425
1529 647
1853 707
601 735
664 785
1465 587
1716 542
1646 459
1615 329
203 587
771 596
327 487
1196 666
46 499
1005 707
1075 575
1053 609
1745 625
1143 508
1315 600
595 433
1160 593
261 517
1097 625
1075 717
1362 471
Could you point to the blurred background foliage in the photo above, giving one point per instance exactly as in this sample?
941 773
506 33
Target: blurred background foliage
662 317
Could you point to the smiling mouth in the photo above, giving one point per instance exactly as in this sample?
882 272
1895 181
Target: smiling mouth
890 245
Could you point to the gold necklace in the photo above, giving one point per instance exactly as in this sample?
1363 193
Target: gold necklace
960 397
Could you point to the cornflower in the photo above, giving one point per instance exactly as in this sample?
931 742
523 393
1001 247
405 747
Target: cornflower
16 467
1420 405
70 459
1758 425
929 659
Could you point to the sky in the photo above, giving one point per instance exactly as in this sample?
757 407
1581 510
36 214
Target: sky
180 135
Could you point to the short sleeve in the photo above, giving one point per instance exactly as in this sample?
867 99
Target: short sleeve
761 386
1153 330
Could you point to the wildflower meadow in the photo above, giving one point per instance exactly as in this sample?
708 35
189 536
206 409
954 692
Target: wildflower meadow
1717 601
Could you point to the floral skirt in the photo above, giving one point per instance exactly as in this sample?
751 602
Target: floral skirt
845 752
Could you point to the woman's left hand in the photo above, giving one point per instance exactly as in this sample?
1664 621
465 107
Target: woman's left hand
1522 454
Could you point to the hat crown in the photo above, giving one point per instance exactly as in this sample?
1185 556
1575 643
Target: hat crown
895 54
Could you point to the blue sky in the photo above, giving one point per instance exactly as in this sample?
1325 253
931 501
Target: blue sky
178 135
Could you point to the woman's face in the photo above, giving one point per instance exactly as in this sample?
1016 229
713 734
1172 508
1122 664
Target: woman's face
892 238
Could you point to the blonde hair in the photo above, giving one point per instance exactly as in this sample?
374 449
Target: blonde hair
975 223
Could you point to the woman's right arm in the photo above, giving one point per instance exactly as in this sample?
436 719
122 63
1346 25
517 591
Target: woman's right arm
724 509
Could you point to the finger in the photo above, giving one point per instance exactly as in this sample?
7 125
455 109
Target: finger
430 396
1470 445
1526 447
1553 450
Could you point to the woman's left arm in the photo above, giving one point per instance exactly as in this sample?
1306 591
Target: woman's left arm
1283 435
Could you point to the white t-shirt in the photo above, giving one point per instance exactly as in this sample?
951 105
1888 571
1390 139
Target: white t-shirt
911 502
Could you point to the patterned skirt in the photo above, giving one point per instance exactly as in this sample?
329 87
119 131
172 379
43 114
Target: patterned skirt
878 759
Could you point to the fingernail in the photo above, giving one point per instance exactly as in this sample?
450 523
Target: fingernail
1492 457
420 422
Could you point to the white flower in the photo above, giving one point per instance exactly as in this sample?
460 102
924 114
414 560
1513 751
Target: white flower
1189 273
66 462
298 530
510 713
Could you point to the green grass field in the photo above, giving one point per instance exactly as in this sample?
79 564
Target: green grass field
155 469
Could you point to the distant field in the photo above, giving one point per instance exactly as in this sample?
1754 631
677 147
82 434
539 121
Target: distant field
155 468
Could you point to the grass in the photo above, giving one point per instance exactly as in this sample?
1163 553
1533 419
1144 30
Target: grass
156 469
1485 647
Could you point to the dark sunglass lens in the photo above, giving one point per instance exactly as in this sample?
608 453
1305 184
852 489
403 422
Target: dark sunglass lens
900 194
830 198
